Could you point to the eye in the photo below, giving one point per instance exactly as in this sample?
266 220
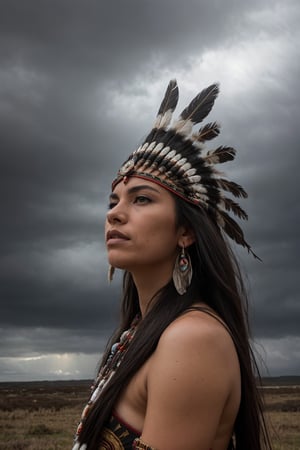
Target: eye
111 205
142 200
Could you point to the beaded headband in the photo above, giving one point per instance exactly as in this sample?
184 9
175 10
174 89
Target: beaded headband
175 158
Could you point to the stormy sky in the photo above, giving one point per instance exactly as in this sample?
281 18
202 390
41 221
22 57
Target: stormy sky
80 85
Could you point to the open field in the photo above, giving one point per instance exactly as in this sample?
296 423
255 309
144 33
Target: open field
44 415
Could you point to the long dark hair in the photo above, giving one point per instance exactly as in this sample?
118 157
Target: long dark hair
218 283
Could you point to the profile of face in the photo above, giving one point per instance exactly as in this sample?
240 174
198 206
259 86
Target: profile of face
140 229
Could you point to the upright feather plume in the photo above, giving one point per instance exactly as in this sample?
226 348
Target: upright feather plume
197 110
167 106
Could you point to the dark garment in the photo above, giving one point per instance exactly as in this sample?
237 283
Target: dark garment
117 435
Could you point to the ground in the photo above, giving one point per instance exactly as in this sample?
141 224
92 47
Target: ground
44 415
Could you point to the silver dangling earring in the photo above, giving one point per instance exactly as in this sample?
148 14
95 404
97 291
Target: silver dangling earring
182 272
110 275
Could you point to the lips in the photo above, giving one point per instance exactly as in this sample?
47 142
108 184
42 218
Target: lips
114 234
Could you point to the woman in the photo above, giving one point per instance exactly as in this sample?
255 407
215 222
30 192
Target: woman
179 372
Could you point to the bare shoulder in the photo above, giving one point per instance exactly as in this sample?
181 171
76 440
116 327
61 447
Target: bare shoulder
197 330
202 346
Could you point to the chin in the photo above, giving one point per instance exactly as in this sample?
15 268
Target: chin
118 264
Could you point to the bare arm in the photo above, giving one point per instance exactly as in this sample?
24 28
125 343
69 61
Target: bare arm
190 381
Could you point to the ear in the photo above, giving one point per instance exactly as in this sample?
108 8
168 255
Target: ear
186 237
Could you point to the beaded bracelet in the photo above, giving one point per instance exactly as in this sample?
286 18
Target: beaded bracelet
138 444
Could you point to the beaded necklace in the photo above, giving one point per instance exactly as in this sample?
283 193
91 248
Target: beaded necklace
112 363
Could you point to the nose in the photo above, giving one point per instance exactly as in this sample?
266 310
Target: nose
117 214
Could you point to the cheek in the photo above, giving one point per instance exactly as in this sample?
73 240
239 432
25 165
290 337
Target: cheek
162 234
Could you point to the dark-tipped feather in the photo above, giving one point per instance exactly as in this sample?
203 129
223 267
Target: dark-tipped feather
201 105
220 155
168 104
230 205
233 230
208 132
232 187
170 99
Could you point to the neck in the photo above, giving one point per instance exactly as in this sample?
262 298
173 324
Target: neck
148 282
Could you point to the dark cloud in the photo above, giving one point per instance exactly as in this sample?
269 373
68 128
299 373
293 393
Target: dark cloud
82 37
79 87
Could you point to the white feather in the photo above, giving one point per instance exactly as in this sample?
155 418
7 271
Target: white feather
165 151
183 126
142 148
186 166
200 188
137 150
166 119
181 162
157 121
170 154
199 145
191 172
158 147
194 179
152 145
177 157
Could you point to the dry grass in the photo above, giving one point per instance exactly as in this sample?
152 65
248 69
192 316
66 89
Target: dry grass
283 411
35 416
46 429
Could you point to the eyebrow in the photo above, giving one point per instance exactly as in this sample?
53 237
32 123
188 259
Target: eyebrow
134 189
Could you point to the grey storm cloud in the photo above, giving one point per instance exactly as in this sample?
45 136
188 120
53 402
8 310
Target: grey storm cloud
80 83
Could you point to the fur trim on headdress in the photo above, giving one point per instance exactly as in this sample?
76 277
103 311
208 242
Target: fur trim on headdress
174 157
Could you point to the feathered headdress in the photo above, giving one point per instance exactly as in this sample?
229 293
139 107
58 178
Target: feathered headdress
174 157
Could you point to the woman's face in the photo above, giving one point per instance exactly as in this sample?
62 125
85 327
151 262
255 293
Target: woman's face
141 227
